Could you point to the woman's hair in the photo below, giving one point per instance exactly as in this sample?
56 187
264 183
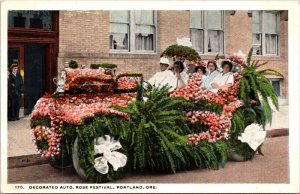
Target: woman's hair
227 63
180 65
203 69
214 63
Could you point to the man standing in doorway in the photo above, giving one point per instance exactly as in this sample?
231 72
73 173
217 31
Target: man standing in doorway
16 84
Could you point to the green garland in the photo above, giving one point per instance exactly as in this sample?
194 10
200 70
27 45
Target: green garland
206 105
103 65
129 74
42 121
99 126
181 52
73 64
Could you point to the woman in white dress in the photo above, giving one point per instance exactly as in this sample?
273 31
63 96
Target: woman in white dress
225 79
181 78
212 73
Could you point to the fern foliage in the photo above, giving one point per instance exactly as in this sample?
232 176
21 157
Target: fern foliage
157 136
255 86
157 130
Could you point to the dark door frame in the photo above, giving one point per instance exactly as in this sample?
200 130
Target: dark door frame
50 37
20 48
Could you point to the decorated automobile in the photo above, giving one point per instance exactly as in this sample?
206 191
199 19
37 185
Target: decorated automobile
105 125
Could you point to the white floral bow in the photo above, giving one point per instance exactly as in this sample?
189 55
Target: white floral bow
107 147
254 136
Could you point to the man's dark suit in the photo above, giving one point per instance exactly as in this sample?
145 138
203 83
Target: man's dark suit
16 90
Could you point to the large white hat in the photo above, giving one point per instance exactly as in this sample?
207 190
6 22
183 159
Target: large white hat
164 60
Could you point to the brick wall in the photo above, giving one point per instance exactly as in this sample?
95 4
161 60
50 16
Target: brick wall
84 36
83 32
172 25
238 30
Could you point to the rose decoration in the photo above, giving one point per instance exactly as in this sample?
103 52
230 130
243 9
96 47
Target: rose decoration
127 83
193 90
72 109
201 63
239 58
218 124
108 146
49 137
254 136
88 80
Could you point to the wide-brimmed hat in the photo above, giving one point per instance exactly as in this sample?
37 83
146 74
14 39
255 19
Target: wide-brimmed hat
13 66
164 60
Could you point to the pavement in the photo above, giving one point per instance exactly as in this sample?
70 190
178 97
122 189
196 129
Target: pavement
280 119
20 139
273 167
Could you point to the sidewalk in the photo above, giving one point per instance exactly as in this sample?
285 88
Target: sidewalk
280 119
20 139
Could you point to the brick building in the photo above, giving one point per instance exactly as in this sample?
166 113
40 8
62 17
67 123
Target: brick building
134 40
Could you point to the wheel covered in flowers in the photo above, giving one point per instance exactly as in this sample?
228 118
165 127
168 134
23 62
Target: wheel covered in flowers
103 160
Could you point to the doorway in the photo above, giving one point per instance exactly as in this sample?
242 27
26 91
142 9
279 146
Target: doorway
34 71
31 60
33 44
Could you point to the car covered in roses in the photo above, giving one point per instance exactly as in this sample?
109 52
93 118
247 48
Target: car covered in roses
103 124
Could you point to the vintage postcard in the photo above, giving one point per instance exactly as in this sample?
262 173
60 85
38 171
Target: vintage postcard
149 96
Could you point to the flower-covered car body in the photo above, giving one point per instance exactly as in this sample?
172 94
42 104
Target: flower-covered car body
148 136
87 93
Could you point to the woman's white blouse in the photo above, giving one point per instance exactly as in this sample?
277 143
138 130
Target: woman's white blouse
222 79
174 82
161 78
206 80
185 78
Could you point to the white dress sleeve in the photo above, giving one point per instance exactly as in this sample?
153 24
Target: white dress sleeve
230 79
216 79
172 81
152 80
185 77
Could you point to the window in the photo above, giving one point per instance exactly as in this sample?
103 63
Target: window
30 19
133 31
119 30
207 31
256 33
276 83
144 30
197 30
265 32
